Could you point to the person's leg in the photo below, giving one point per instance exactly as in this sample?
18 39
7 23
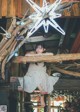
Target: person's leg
42 92
42 101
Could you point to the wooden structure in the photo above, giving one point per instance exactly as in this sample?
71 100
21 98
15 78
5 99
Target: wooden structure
12 8
10 45
50 58
47 57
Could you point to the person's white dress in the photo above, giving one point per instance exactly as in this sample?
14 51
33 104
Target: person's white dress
36 76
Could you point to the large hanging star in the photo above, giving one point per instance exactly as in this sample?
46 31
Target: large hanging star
44 16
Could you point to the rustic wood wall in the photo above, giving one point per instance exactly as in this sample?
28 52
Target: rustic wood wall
11 8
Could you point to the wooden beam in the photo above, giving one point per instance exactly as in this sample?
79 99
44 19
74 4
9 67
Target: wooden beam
25 7
11 8
41 38
72 73
76 11
41 2
62 84
46 57
4 7
67 84
19 7
66 13
11 28
49 104
0 8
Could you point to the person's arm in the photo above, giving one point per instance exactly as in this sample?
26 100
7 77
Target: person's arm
42 100
30 53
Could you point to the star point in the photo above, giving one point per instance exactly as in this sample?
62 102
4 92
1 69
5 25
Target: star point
44 16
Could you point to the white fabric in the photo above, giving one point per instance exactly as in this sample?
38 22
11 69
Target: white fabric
36 76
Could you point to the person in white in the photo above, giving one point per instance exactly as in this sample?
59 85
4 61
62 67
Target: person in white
37 77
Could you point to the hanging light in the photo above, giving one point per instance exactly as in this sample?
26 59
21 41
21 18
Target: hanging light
45 16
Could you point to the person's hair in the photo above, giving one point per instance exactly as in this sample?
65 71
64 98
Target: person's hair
41 44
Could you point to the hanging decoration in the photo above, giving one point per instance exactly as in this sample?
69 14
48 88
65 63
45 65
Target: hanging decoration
44 16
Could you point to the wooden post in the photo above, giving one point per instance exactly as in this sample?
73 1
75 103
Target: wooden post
1 8
46 105
4 7
41 2
75 8
49 104
72 73
21 102
9 20
51 1
19 7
